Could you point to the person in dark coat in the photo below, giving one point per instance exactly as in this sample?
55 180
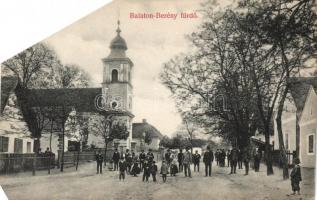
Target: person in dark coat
196 160
146 171
99 160
174 169
228 157
257 158
246 160
154 171
164 170
296 177
168 157
208 159
240 158
234 154
116 158
180 159
150 156
135 169
142 158
128 160
122 168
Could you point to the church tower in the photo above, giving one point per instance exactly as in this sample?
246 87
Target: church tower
117 86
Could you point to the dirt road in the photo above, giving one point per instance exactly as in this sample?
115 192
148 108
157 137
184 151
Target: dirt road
86 185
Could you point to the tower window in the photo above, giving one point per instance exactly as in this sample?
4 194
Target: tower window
114 75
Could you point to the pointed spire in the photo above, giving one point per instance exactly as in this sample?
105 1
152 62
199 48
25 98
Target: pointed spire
118 29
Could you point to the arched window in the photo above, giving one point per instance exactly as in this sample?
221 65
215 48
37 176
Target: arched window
114 75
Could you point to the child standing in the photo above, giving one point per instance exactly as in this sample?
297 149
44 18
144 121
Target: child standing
174 169
146 171
296 177
122 169
154 171
164 170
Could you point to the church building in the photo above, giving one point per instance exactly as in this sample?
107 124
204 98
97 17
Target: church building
112 100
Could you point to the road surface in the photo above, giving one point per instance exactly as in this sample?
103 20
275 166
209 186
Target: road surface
87 185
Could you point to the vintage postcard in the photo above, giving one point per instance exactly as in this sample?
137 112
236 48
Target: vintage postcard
154 99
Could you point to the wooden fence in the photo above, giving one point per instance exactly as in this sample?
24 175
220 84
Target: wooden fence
15 162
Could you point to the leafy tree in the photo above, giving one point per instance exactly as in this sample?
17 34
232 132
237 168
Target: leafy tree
287 29
109 129
166 142
148 137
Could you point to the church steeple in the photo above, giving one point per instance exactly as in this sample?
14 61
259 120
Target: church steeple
118 45
118 29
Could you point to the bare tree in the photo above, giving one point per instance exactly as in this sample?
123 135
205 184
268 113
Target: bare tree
30 62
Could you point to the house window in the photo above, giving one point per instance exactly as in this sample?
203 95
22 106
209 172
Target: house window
4 144
129 76
311 144
28 147
286 141
114 75
18 145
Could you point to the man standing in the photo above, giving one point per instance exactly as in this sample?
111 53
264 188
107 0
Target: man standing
233 160
187 160
257 158
168 157
180 158
128 160
150 156
246 159
208 159
142 158
122 169
196 160
228 157
240 158
116 158
99 160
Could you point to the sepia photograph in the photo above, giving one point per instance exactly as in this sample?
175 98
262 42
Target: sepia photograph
157 99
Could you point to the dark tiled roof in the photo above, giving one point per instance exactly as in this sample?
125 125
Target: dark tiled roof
139 128
299 88
8 84
81 98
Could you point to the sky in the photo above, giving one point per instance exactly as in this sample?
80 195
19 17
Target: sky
151 42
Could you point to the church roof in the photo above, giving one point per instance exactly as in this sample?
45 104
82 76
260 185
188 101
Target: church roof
139 128
118 43
82 99
8 84
118 46
299 88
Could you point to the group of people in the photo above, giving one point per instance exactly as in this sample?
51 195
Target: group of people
130 163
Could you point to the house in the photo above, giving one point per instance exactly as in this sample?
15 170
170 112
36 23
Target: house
14 135
299 120
139 133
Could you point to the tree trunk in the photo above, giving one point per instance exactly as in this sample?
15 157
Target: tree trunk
105 156
78 153
63 147
50 157
280 133
268 154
